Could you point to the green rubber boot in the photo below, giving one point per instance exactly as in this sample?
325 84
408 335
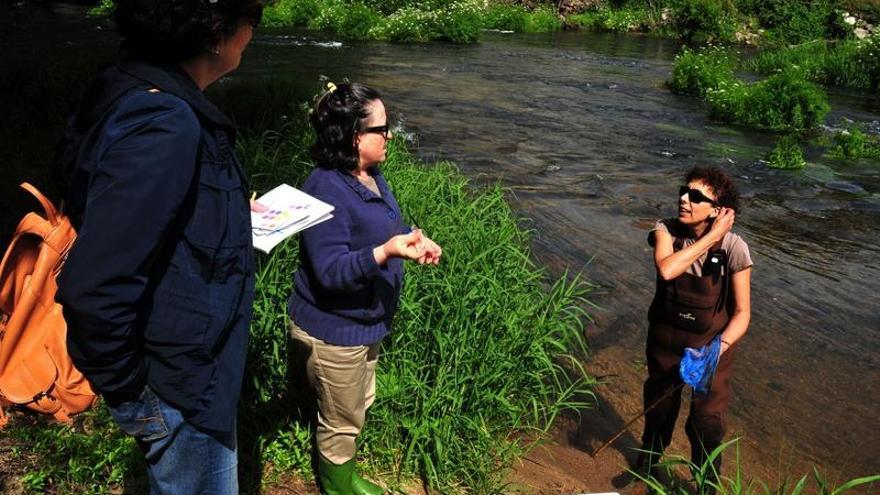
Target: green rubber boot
361 486
336 479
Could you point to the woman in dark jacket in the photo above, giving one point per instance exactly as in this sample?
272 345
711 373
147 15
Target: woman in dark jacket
351 273
703 292
158 288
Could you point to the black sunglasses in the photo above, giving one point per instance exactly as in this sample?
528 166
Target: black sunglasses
695 196
379 129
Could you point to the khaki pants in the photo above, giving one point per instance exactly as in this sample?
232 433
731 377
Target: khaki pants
343 379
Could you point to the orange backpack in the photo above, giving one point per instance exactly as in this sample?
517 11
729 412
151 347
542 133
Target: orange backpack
35 369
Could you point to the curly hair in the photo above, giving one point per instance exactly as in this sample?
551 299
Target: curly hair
338 115
177 30
721 184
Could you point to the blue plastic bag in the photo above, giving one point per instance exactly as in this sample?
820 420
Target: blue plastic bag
698 365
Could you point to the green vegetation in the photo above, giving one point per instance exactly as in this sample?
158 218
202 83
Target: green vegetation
787 154
784 101
697 72
86 458
706 479
773 23
705 19
851 63
852 143
619 20
768 22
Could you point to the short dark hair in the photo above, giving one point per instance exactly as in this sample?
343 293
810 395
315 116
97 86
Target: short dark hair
339 114
721 184
177 30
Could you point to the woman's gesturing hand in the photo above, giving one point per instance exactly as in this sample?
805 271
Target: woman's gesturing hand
406 246
432 252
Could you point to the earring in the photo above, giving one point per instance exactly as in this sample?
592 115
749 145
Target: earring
216 50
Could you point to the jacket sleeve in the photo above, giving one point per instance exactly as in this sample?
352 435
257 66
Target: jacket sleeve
145 165
329 252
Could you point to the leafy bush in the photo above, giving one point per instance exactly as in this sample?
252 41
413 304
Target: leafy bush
291 13
869 59
697 72
787 154
352 20
705 19
543 20
794 21
782 101
616 20
407 25
388 7
505 17
460 22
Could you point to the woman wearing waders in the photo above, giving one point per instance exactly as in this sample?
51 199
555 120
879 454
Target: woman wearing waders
703 285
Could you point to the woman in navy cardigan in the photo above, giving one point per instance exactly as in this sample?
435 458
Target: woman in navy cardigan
351 272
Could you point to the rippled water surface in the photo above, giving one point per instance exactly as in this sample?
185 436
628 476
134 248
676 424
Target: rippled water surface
593 146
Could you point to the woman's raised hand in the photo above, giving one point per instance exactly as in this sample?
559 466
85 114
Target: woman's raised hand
722 223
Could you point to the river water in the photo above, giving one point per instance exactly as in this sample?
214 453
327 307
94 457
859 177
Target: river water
593 146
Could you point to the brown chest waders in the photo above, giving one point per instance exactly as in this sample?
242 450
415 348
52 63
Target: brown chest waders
686 312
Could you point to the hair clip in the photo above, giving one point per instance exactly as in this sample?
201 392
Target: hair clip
331 87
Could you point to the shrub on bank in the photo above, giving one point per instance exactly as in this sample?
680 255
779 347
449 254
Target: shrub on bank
505 17
291 13
352 20
620 20
705 19
458 22
543 20
794 21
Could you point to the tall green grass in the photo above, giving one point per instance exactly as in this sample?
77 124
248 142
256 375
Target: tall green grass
705 480
849 63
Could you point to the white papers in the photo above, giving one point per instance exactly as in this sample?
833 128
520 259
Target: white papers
289 211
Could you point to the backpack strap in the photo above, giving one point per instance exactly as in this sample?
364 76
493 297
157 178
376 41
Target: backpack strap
48 207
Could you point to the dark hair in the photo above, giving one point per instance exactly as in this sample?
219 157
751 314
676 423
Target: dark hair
338 114
725 190
177 30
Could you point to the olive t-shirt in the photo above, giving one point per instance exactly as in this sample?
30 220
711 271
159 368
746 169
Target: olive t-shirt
738 257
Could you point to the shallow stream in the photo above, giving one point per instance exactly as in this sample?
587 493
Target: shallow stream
593 146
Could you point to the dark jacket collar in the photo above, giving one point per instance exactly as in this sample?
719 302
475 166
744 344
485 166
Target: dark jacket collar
172 79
